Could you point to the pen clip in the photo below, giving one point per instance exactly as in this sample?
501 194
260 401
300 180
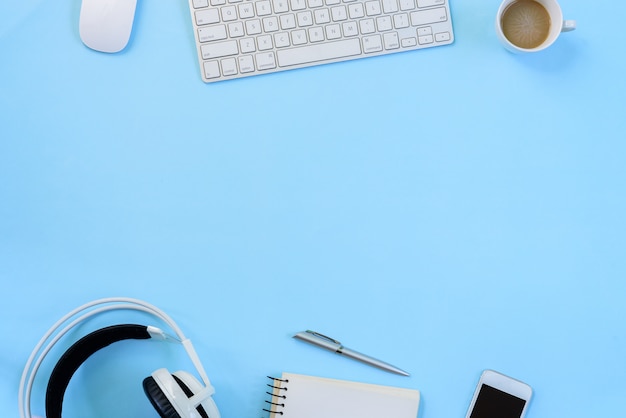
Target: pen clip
317 334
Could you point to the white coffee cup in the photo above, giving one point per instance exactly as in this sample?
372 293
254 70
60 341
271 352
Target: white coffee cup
556 25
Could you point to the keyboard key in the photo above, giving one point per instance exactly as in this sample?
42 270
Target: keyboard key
372 8
247 45
408 42
298 4
212 33
334 31
229 66
229 13
263 8
281 6
321 16
390 6
287 21
372 43
235 30
264 42
211 69
442 36
219 49
316 34
265 61
319 52
253 27
281 40
200 3
356 11
246 64
367 26
424 31
246 10
350 29
383 23
429 16
305 19
401 21
430 3
423 40
339 13
391 41
206 17
407 5
298 37
270 24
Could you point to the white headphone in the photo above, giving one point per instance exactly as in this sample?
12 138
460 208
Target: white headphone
173 395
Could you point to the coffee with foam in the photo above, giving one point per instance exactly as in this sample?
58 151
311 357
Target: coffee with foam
526 23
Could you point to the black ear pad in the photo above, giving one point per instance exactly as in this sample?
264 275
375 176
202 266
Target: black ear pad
160 401
78 353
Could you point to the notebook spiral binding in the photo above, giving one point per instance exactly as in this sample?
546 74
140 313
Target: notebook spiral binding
277 395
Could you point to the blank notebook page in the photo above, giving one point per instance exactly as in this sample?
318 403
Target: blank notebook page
316 397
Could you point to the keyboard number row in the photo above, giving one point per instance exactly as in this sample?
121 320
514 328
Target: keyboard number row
281 6
338 13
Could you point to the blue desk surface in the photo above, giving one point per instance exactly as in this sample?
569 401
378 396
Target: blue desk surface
447 210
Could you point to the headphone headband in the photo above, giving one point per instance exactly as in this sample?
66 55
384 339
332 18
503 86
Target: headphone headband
91 343
78 353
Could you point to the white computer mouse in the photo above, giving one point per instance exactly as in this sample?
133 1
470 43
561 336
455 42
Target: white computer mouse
106 25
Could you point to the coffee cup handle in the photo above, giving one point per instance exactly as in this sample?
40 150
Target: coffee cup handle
568 25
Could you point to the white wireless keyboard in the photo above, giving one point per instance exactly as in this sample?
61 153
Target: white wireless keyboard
240 38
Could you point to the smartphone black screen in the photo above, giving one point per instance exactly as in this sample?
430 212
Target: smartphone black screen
494 403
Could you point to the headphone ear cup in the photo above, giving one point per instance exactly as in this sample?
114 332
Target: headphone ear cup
169 394
191 386
159 399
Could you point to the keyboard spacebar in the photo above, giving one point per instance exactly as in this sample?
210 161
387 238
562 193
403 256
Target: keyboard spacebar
319 52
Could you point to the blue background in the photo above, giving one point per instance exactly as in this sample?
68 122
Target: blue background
446 210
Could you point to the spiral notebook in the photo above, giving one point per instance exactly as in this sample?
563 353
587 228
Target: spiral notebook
302 396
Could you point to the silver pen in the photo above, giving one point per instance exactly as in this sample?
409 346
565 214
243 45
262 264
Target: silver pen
328 343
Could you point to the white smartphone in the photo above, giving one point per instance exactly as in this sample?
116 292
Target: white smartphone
499 396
